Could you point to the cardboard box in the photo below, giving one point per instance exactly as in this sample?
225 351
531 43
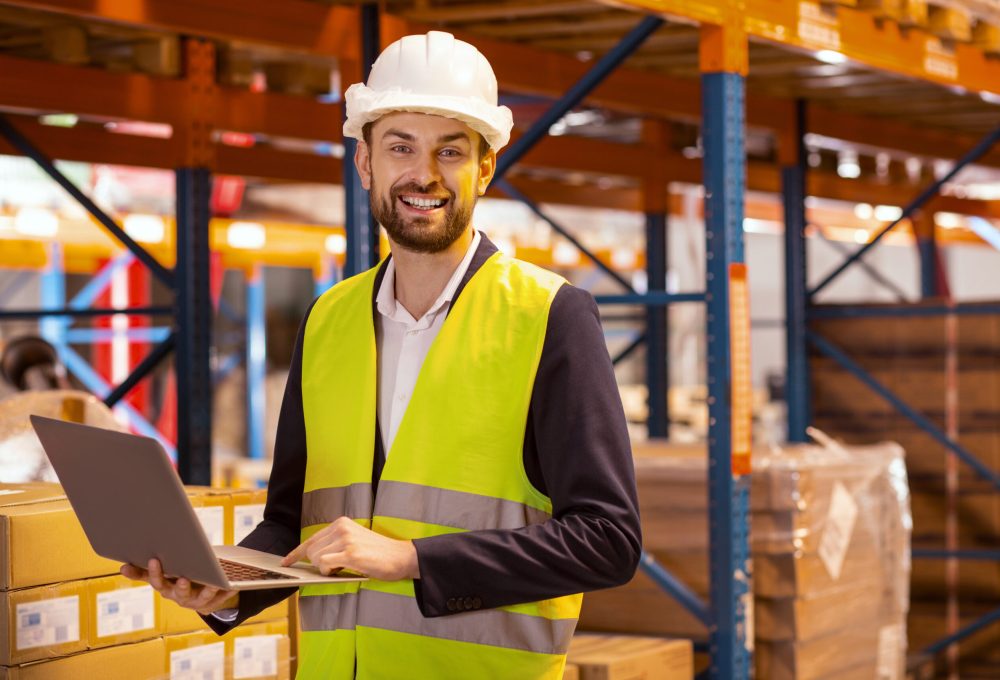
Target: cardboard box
176 619
43 622
41 540
249 651
802 573
571 672
639 607
820 658
261 650
616 657
121 611
139 661
806 618
213 507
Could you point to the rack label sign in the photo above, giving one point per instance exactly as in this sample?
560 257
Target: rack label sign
939 60
204 662
741 389
245 519
818 26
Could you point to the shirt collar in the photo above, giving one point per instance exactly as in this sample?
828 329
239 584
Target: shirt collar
386 302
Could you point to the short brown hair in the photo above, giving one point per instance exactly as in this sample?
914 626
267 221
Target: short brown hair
366 132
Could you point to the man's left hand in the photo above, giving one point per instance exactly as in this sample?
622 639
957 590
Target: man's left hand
345 544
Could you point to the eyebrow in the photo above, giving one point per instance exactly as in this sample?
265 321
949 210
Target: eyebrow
392 132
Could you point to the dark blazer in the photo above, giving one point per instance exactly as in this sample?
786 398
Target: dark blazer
576 451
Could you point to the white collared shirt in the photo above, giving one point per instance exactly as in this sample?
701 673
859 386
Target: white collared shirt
403 343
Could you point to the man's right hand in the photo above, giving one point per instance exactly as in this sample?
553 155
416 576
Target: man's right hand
202 599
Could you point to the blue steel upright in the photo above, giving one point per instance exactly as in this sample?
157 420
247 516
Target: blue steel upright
256 361
657 335
361 230
725 181
194 327
793 189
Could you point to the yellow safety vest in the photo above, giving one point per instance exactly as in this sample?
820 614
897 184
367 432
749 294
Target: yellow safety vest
456 465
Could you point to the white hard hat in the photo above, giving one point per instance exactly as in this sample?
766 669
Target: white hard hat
436 74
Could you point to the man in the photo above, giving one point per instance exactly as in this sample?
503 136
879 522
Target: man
451 425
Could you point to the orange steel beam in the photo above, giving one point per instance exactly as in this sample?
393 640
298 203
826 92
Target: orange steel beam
521 68
299 25
92 144
89 143
859 35
28 85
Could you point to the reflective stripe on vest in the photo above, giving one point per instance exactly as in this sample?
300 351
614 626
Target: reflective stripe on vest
456 465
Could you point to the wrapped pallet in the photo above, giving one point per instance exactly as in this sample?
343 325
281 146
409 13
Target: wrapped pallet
830 537
830 533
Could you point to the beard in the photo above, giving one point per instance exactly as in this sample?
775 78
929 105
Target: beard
421 234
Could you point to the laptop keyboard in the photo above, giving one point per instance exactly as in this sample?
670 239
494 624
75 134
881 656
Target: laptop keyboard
242 572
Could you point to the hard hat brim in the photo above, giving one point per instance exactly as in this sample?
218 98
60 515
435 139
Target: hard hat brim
365 105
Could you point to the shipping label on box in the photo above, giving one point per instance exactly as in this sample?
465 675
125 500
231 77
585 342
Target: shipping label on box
48 623
245 519
212 519
204 662
125 611
255 656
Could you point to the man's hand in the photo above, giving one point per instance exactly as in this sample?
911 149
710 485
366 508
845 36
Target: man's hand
345 544
202 599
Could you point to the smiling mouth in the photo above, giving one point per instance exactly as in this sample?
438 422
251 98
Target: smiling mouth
423 204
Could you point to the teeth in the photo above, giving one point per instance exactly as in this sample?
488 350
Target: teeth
424 203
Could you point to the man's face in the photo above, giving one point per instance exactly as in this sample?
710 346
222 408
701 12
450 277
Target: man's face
425 175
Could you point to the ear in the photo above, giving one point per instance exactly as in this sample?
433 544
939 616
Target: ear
362 161
487 167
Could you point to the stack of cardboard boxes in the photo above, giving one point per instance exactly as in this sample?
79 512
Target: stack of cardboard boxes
619 657
830 549
830 543
948 369
66 613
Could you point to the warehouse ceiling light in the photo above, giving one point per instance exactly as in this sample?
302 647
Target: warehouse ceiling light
949 220
888 213
864 211
565 254
145 228
831 57
246 235
336 244
848 166
36 222
861 236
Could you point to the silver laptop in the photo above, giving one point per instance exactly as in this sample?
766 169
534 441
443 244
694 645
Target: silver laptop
133 507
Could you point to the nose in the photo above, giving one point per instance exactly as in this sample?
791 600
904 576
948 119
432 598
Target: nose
425 170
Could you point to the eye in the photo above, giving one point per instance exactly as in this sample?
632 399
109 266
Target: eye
399 148
451 153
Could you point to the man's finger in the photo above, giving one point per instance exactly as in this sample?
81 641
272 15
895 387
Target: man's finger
205 596
156 574
182 588
135 573
331 563
294 556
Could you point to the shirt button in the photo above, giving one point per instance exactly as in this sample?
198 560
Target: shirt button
468 603
476 603
452 604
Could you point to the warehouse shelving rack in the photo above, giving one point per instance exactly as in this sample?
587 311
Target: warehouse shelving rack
195 105
801 308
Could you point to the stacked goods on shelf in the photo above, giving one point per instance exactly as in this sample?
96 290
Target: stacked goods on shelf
65 612
830 549
949 371
619 657
830 539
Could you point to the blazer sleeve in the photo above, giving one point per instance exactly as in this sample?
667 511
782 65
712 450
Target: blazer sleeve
577 448
279 532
